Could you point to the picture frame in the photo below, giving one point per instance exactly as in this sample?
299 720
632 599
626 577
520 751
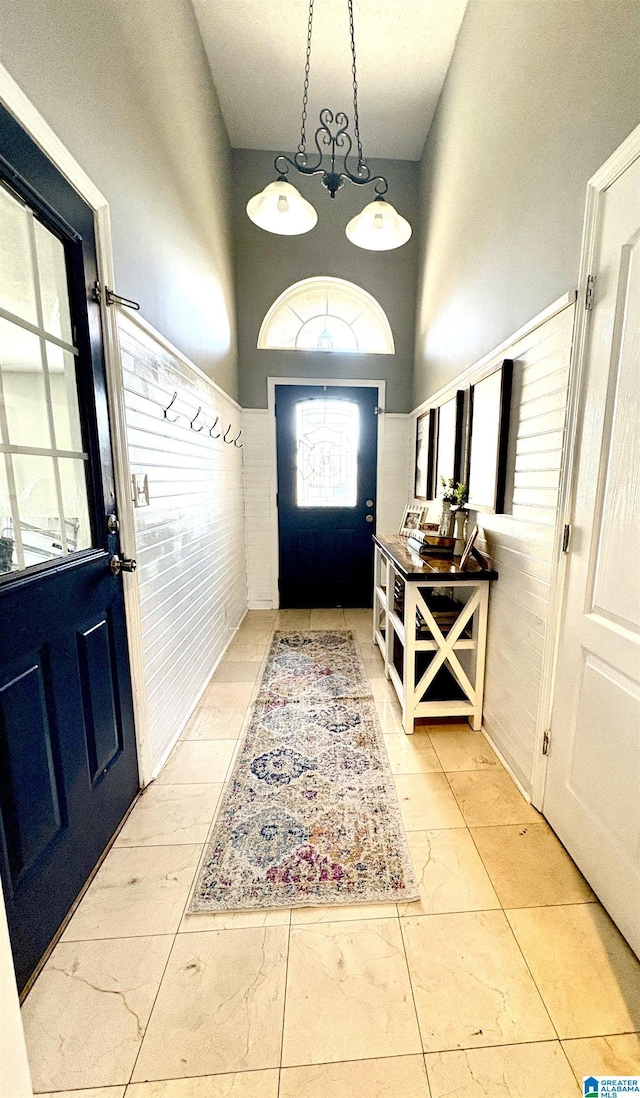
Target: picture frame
489 412
426 440
411 519
466 552
450 439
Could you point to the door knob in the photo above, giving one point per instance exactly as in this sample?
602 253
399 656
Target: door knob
122 564
369 518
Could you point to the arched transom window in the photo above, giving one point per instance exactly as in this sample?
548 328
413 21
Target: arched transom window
326 314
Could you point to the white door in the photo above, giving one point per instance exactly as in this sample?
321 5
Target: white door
592 796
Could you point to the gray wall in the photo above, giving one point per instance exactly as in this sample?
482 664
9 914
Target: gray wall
539 93
266 265
127 88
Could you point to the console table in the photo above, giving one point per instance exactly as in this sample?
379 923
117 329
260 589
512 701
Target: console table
430 623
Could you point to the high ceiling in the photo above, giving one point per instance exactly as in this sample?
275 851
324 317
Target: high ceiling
256 49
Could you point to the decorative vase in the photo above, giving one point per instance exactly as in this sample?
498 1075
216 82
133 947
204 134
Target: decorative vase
445 529
460 517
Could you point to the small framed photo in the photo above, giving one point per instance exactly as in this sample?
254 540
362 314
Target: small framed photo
466 552
412 518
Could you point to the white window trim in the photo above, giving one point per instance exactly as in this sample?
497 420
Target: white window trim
331 382
323 281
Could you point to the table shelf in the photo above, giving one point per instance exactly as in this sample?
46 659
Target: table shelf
432 675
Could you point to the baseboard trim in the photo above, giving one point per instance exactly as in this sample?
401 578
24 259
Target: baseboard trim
157 766
508 768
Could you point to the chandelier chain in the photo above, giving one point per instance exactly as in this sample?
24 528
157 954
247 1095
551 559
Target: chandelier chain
302 146
356 117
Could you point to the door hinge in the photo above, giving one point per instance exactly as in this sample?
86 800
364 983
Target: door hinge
377 411
588 297
566 537
112 298
545 741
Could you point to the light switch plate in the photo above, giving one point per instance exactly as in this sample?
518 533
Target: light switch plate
140 484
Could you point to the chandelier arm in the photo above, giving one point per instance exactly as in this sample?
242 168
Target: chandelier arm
381 184
282 162
302 145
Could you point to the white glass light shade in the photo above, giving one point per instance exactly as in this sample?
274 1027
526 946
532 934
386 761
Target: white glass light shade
379 227
280 208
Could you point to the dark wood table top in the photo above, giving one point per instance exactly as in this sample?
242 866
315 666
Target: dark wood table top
411 566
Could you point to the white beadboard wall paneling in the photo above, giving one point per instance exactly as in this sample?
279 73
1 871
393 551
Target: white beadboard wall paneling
393 472
190 540
523 542
262 565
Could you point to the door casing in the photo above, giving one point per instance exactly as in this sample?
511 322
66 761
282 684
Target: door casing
331 382
617 163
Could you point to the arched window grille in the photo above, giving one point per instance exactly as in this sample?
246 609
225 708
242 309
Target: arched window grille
326 314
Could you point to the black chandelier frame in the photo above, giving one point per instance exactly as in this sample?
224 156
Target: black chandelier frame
332 135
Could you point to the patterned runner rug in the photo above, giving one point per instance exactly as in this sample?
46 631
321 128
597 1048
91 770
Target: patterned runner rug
310 815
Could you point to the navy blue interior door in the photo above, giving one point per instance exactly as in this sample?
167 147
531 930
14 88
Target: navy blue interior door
327 453
68 766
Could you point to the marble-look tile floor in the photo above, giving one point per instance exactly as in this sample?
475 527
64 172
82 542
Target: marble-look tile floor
506 979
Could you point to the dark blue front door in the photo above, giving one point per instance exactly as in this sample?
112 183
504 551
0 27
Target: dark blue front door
68 767
327 452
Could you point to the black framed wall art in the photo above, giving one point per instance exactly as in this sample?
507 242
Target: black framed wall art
490 406
450 436
426 438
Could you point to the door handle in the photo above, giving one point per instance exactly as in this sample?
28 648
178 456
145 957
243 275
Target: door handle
122 564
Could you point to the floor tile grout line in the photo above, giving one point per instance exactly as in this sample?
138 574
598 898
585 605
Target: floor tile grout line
413 994
504 911
284 1005
153 1006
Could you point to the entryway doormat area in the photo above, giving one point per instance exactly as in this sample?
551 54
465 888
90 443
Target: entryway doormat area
310 816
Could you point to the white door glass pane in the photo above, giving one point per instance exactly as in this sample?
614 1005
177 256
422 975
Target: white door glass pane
327 433
284 329
7 539
74 502
371 335
52 274
310 302
341 303
326 333
38 508
64 398
23 386
17 290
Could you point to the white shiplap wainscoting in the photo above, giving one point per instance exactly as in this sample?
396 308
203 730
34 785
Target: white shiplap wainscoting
523 543
259 504
395 453
189 540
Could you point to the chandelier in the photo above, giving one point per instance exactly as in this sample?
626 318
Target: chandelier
281 209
